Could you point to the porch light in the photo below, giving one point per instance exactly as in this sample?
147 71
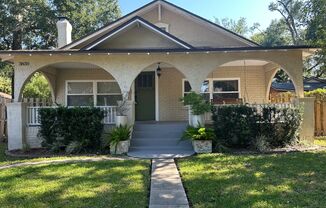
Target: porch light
158 70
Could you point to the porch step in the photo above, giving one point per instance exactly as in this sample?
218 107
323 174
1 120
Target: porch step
159 140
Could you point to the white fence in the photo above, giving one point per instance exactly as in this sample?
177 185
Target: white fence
33 115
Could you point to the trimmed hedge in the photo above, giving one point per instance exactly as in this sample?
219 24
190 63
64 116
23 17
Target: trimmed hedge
241 125
71 129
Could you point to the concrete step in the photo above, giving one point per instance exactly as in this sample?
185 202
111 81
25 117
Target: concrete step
161 127
158 142
157 134
161 148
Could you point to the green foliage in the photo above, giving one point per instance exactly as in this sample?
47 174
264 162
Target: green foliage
119 134
199 133
241 125
71 129
318 93
239 26
6 71
31 24
197 103
37 87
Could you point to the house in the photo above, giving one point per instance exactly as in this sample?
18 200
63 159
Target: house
151 57
309 84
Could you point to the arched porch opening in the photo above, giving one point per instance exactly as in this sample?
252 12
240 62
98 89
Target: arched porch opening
38 89
78 84
157 91
242 81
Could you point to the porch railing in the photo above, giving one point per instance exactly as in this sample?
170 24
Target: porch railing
259 107
33 114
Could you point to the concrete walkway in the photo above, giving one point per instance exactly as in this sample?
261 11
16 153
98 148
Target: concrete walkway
166 187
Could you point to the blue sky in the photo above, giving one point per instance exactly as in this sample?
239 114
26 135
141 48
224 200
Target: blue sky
253 10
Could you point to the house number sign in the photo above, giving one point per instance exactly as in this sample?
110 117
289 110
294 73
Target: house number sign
24 63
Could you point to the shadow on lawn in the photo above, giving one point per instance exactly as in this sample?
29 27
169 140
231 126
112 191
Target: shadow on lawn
284 180
96 184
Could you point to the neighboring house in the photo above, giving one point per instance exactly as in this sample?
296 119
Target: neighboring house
309 84
152 57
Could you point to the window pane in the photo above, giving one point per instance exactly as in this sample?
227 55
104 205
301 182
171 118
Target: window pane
205 86
108 100
187 86
225 86
108 87
80 88
80 100
225 95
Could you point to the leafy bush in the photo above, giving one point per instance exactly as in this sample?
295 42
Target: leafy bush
71 129
197 103
318 93
241 125
119 134
200 133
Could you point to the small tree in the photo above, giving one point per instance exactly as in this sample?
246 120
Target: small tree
197 103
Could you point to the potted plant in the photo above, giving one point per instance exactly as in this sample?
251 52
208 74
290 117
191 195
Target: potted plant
201 138
119 139
121 117
198 106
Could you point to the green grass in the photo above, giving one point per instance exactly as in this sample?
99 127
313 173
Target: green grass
284 180
95 184
7 160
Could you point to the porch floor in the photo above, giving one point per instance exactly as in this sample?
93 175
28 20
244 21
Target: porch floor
159 140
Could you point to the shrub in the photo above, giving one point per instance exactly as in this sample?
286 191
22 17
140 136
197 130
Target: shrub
197 103
119 134
80 129
235 125
318 93
199 133
241 125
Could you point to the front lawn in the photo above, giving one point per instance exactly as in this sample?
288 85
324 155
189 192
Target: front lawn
284 180
95 184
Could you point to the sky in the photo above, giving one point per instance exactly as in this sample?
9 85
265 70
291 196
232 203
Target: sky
252 10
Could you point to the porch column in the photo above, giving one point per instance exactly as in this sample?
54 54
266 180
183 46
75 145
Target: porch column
307 132
16 125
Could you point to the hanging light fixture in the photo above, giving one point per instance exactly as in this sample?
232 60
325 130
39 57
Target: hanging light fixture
158 70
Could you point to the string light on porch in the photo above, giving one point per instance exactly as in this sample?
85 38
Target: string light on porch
158 70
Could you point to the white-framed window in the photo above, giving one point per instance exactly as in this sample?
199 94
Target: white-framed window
225 90
204 89
216 90
92 93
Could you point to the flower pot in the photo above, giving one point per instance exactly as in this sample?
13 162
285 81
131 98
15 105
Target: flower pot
198 120
121 148
202 146
121 121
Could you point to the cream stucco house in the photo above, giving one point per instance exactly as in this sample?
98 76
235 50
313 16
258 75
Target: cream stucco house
152 57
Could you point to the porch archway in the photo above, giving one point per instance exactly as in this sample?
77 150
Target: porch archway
252 79
58 73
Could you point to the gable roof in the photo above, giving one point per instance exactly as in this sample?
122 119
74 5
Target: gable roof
129 23
148 6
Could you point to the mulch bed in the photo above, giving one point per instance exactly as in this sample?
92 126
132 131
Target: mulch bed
289 149
41 152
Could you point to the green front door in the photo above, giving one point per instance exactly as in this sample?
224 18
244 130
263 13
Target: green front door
145 96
